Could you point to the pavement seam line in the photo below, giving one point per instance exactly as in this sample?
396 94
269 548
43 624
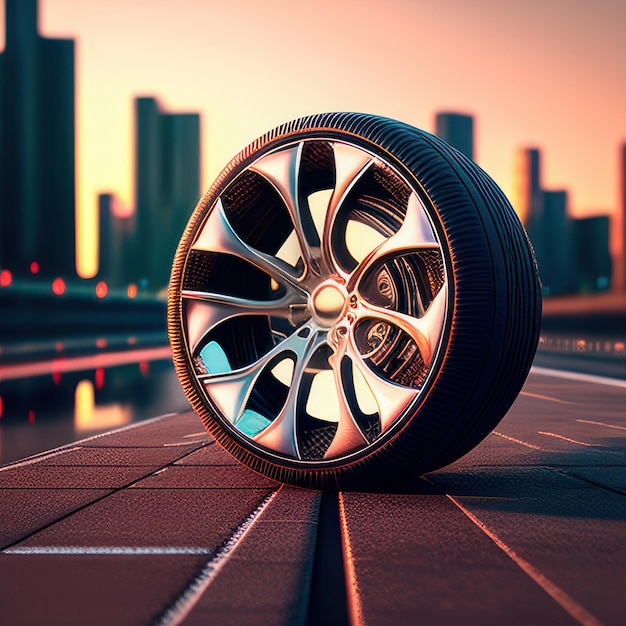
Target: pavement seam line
77 444
538 396
602 424
109 492
355 607
523 443
184 604
580 443
578 377
588 481
575 610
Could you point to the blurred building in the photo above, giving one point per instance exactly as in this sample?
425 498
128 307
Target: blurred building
591 243
529 203
115 233
458 130
37 186
167 188
619 229
556 254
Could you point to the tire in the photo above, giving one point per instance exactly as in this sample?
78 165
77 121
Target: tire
352 298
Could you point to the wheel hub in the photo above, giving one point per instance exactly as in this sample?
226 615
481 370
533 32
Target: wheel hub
329 303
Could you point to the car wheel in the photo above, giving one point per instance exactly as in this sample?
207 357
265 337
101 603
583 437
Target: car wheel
350 299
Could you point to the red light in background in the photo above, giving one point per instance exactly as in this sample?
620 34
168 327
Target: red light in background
144 368
99 378
101 343
34 267
31 417
58 346
58 286
102 289
132 291
1 407
132 341
6 278
56 377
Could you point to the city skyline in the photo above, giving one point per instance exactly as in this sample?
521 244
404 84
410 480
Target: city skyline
532 74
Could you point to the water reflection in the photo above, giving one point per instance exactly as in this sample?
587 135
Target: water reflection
43 412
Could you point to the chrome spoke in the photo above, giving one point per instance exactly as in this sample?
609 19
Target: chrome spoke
231 390
282 170
391 399
425 330
206 310
348 436
281 434
415 234
350 165
218 236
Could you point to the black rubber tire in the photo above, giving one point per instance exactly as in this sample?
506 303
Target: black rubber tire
494 305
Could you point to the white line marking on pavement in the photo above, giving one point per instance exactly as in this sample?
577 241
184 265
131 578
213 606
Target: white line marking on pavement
190 596
523 443
580 443
601 424
114 550
42 457
578 377
354 596
579 613
76 445
540 397
196 434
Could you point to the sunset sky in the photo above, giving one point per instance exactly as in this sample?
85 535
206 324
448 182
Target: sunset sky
549 74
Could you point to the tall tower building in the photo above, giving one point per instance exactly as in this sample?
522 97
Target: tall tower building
114 244
167 187
556 259
591 249
37 185
619 229
530 196
458 130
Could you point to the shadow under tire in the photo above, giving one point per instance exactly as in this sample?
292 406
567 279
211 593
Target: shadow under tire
352 298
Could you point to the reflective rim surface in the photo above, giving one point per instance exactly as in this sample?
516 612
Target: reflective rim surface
314 301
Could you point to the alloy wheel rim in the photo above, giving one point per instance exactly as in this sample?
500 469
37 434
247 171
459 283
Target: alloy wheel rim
314 301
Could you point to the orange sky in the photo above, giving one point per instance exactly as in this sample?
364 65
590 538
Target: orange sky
551 74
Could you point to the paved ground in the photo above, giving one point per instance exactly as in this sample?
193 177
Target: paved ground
155 524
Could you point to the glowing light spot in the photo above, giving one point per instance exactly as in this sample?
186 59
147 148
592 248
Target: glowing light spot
101 343
144 368
58 286
58 346
89 417
1 407
132 291
56 377
102 289
99 378
131 341
34 267
31 417
6 278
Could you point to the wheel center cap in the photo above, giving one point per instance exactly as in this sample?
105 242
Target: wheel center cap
329 302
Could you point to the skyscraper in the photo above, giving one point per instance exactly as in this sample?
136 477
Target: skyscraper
114 243
37 185
556 258
458 130
167 187
591 248
619 241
